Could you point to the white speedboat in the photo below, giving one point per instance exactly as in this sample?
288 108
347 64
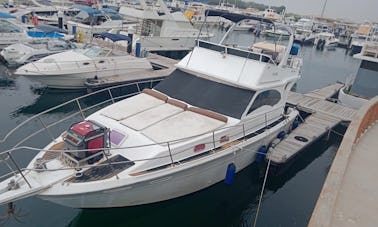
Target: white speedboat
214 113
277 33
326 40
23 53
70 69
363 85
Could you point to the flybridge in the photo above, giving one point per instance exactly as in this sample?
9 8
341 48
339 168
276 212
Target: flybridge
234 51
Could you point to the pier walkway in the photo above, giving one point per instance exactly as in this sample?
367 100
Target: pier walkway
325 115
350 193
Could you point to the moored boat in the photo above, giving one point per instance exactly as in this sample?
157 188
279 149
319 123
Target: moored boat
70 69
363 85
212 114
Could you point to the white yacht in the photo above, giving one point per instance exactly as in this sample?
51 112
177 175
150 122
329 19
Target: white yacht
23 53
363 85
210 116
70 69
162 30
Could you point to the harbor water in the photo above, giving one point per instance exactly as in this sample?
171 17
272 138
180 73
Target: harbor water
288 199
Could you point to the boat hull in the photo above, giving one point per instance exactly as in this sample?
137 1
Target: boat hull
180 180
350 100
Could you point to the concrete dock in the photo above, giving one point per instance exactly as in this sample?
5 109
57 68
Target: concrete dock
350 193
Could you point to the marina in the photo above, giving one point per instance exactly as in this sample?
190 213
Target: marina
147 140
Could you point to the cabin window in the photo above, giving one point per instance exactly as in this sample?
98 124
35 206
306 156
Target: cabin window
265 98
218 97
366 81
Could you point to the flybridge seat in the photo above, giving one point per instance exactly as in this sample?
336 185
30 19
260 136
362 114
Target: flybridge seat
267 48
193 122
133 105
151 116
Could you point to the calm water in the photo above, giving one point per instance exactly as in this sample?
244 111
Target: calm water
288 199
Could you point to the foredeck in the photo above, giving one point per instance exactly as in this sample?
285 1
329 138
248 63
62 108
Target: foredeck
350 193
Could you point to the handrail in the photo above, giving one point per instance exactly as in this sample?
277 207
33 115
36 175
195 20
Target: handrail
240 131
238 135
249 53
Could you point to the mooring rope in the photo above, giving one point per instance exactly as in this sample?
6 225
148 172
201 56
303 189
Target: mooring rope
261 193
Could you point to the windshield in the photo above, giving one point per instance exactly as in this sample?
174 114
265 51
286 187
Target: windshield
7 27
218 97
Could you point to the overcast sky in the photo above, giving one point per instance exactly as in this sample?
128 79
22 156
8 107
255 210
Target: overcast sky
356 10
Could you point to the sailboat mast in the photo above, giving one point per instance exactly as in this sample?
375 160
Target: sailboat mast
324 6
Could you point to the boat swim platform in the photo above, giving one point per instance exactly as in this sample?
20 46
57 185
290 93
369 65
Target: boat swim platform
324 116
162 67
349 196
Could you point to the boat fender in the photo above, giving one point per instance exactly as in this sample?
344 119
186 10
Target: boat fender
294 50
138 47
295 124
261 153
230 174
281 135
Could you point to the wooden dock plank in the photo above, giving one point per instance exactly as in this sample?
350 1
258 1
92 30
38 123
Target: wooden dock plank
324 116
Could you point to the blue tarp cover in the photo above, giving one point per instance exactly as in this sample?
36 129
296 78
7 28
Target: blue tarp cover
6 15
112 37
235 17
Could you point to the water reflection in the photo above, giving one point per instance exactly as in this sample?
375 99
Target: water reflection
48 98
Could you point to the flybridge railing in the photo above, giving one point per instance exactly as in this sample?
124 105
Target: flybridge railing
207 141
235 51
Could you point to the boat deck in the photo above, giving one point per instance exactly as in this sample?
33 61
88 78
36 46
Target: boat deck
324 116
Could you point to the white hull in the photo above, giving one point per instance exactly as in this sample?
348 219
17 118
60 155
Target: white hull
180 180
167 43
77 80
350 100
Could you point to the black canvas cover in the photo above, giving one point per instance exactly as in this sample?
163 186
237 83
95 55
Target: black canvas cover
235 17
218 97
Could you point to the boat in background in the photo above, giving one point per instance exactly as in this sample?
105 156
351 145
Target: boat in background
326 40
162 30
363 85
365 34
90 21
11 31
70 69
23 53
209 119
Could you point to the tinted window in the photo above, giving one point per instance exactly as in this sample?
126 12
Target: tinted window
265 98
366 81
218 97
